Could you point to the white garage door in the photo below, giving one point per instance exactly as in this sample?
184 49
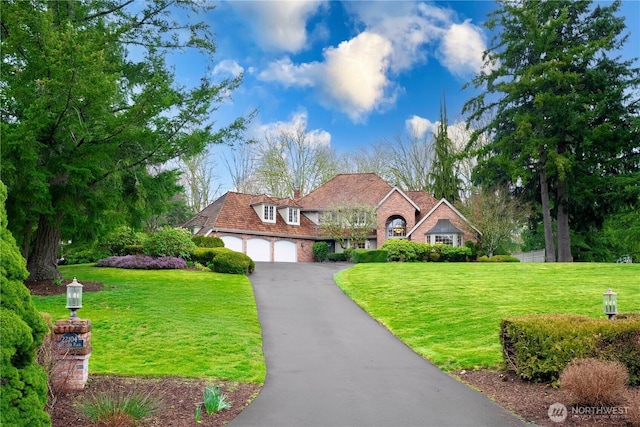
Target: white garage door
259 249
285 251
232 242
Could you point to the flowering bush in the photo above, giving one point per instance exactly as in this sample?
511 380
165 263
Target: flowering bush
143 262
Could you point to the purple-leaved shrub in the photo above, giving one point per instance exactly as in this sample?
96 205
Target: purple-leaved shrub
143 262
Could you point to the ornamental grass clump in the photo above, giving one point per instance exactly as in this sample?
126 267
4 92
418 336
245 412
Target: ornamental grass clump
143 262
595 382
214 401
116 409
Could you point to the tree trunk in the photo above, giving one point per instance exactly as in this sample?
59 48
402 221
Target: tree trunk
564 238
43 261
549 245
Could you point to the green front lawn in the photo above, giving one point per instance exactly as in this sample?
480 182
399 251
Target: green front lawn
450 312
168 323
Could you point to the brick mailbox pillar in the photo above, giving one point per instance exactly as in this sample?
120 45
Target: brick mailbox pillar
72 349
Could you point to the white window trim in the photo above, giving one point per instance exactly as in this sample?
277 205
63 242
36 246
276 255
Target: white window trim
269 213
293 216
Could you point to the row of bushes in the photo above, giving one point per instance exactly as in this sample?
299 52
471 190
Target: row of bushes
170 248
539 347
409 251
124 241
405 251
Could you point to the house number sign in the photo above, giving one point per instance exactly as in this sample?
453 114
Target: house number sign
72 340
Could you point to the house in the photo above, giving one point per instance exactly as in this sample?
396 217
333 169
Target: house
284 230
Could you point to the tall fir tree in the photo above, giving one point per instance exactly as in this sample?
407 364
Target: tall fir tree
563 111
444 179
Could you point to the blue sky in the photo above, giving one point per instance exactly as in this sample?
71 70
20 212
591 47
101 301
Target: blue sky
356 72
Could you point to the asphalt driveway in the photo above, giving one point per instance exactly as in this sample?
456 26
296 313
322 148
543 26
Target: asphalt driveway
329 364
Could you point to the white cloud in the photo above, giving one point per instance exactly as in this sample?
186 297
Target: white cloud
299 120
228 67
355 75
352 78
408 26
419 126
285 72
461 49
279 25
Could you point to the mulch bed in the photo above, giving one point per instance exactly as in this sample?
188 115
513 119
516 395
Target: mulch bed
531 401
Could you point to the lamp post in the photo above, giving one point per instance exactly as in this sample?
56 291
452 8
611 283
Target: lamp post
610 303
74 298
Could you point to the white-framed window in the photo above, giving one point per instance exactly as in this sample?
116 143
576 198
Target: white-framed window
294 216
444 239
269 213
396 228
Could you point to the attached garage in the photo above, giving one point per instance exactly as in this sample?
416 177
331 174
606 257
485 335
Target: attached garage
259 250
232 242
285 251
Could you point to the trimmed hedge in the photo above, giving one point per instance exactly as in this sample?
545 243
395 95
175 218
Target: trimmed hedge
206 255
369 255
408 251
207 242
232 262
320 251
498 258
539 347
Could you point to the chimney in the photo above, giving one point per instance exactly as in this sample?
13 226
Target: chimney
296 194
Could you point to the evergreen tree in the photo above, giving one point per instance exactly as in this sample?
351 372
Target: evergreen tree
85 119
563 128
23 384
444 179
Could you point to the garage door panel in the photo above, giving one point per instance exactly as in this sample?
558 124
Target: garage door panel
232 242
259 250
285 251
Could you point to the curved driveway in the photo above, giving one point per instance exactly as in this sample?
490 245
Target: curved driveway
329 364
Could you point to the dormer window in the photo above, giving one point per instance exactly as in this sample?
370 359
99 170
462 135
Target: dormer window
269 213
293 216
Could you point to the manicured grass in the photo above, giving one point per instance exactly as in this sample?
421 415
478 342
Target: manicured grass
168 323
450 312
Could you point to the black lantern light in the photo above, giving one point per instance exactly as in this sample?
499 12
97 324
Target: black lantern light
610 303
74 298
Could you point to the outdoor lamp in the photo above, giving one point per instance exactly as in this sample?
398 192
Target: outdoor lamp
609 300
74 298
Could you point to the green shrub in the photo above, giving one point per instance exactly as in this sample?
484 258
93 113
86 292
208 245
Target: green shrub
453 253
23 383
320 251
401 250
133 250
369 255
232 262
408 251
206 255
118 239
338 256
498 258
539 347
168 241
86 255
207 242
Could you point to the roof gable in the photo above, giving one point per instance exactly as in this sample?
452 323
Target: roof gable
396 189
450 206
